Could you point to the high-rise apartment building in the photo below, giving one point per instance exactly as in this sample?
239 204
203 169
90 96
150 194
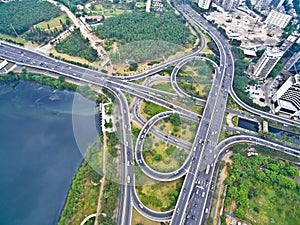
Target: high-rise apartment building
278 19
267 62
204 4
262 5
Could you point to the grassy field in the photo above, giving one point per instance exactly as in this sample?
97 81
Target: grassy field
109 10
139 219
162 156
53 23
164 86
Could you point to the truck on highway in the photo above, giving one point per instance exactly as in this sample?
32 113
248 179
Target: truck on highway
128 179
207 169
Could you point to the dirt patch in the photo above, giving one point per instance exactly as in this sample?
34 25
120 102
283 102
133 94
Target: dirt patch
232 207
227 158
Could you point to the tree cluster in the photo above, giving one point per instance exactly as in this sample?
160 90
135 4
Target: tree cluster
76 45
20 16
130 27
249 177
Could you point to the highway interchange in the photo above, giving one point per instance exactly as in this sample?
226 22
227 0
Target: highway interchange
196 194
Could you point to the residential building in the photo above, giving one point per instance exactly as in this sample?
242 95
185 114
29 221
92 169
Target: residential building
287 98
267 62
204 4
262 5
278 19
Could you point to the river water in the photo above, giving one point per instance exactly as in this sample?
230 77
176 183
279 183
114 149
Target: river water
38 152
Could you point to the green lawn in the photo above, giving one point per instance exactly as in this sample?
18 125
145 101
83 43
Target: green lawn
53 23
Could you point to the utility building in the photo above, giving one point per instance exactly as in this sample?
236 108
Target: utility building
287 98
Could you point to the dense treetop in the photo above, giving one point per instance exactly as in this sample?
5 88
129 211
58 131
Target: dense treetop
130 27
251 183
24 14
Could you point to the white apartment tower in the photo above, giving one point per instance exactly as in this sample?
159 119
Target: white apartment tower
278 19
204 4
267 62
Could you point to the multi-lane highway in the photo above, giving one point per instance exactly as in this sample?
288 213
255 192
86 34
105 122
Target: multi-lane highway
200 167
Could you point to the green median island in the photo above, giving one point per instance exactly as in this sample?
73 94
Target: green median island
156 195
162 156
150 109
262 190
195 78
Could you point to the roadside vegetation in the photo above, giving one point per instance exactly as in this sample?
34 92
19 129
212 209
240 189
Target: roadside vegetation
135 130
150 109
76 45
83 194
109 203
263 189
224 134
